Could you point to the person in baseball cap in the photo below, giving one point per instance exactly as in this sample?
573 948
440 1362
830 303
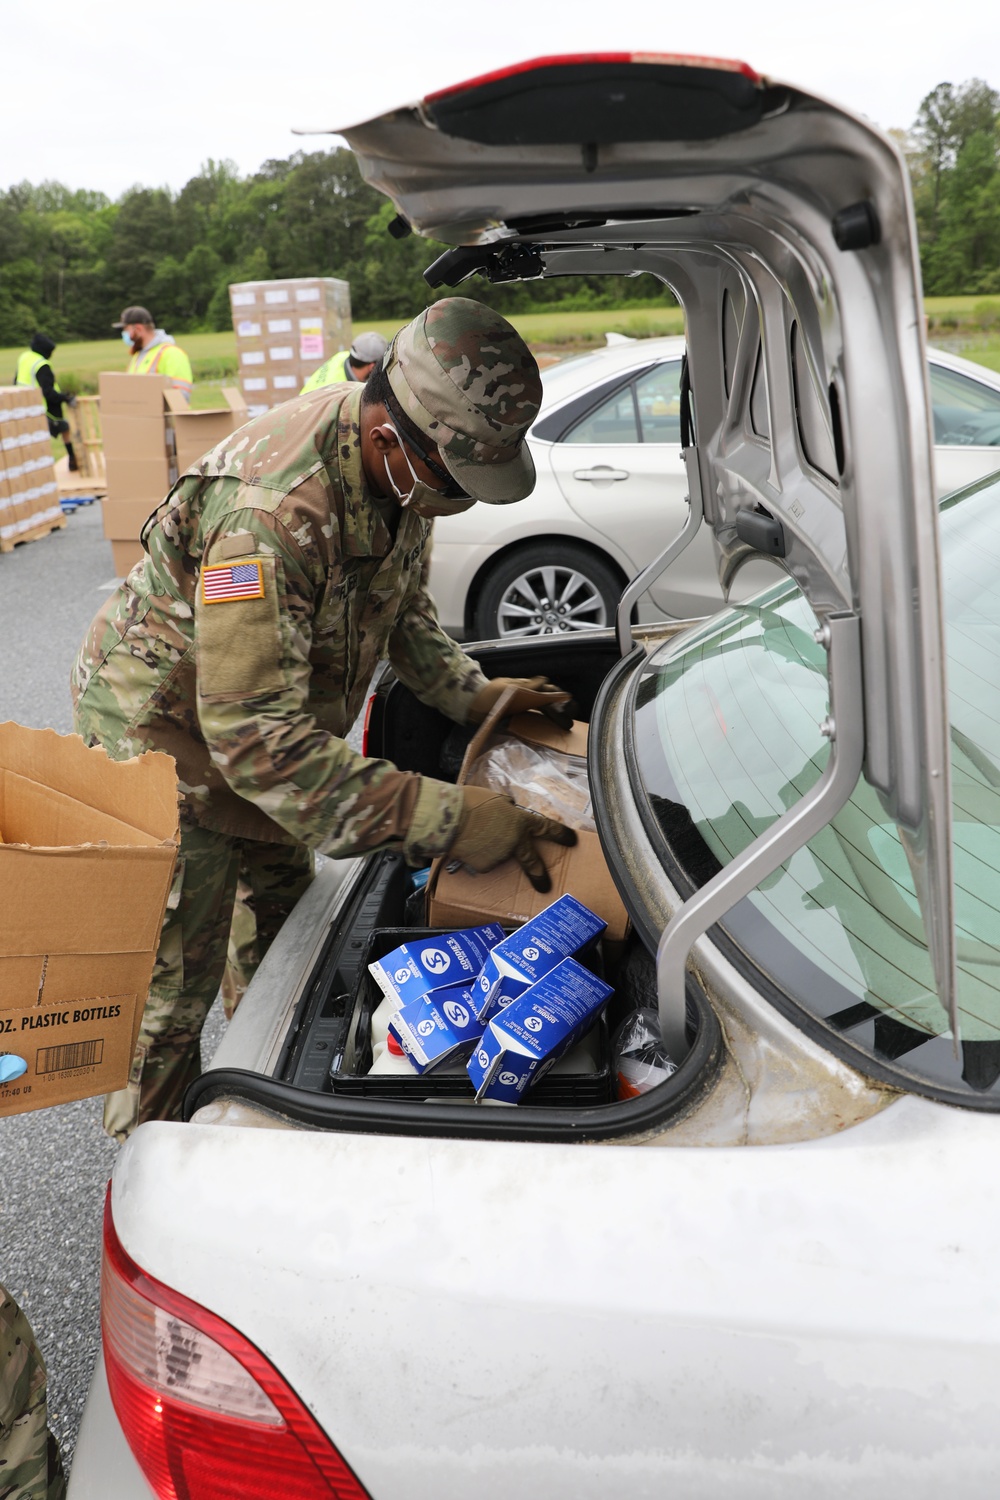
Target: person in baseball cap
154 352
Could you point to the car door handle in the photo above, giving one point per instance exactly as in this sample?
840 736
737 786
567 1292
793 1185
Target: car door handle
599 473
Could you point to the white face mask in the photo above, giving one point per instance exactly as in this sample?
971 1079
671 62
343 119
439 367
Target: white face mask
422 499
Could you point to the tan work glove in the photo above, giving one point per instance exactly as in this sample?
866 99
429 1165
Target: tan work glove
492 828
529 693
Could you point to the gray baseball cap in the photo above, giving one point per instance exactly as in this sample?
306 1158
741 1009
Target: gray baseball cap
368 348
135 315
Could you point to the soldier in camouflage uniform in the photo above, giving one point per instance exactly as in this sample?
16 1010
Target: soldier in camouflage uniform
279 572
30 1467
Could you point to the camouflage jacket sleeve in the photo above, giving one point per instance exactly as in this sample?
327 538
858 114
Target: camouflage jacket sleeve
30 1468
253 668
431 664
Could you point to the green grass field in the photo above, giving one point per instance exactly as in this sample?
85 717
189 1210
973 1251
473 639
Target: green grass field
967 325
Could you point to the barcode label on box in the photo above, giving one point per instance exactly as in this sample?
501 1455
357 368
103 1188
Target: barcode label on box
243 299
247 330
311 325
282 351
272 298
70 1055
258 383
279 325
307 294
253 357
285 382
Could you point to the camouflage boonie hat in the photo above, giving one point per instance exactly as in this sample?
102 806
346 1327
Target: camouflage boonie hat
468 380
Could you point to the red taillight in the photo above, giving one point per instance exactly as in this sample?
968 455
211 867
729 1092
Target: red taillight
206 1415
572 59
368 718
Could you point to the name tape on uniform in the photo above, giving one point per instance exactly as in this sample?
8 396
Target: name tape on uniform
221 585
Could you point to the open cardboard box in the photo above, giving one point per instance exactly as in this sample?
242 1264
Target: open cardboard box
460 898
85 872
195 432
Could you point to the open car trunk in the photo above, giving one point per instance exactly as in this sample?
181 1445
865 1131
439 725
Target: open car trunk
322 1073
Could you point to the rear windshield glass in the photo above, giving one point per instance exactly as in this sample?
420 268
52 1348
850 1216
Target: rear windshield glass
727 738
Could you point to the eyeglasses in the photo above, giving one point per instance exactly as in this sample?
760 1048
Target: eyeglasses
452 489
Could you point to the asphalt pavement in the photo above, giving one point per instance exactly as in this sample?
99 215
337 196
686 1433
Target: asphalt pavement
56 1162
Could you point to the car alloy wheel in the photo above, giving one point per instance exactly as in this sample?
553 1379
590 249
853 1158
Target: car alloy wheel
530 596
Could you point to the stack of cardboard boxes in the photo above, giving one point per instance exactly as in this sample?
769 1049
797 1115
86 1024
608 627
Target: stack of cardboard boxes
284 331
29 498
137 463
150 437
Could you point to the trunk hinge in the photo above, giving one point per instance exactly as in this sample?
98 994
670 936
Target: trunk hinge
696 514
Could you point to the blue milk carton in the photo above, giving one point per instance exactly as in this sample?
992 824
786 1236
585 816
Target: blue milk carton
439 1028
430 963
522 1042
562 930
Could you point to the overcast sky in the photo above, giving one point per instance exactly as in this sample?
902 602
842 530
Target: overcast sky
121 93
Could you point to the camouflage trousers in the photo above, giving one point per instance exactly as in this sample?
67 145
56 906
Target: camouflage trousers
30 1466
191 961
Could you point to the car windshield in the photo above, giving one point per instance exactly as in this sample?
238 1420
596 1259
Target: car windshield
727 737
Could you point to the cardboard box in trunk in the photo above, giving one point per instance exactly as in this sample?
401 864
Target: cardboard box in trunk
459 898
85 871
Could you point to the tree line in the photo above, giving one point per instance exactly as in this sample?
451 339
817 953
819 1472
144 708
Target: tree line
71 260
953 152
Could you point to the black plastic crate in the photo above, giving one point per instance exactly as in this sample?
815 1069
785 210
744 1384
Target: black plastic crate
566 1090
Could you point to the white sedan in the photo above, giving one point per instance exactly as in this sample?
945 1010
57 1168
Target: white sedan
773 1275
607 449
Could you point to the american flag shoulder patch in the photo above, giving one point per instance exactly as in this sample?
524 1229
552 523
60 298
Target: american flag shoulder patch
221 585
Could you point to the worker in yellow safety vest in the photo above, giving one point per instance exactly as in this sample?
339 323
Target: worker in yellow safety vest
355 363
153 351
33 368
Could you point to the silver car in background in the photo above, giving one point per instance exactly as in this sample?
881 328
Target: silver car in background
607 451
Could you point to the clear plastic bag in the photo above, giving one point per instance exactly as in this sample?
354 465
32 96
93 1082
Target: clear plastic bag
547 781
640 1059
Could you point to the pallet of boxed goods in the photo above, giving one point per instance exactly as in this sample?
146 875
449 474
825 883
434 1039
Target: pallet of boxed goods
284 331
29 497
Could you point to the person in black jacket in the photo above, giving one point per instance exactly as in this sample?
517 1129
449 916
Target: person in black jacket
33 368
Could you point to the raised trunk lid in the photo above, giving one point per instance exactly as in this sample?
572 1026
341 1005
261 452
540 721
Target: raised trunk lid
784 225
